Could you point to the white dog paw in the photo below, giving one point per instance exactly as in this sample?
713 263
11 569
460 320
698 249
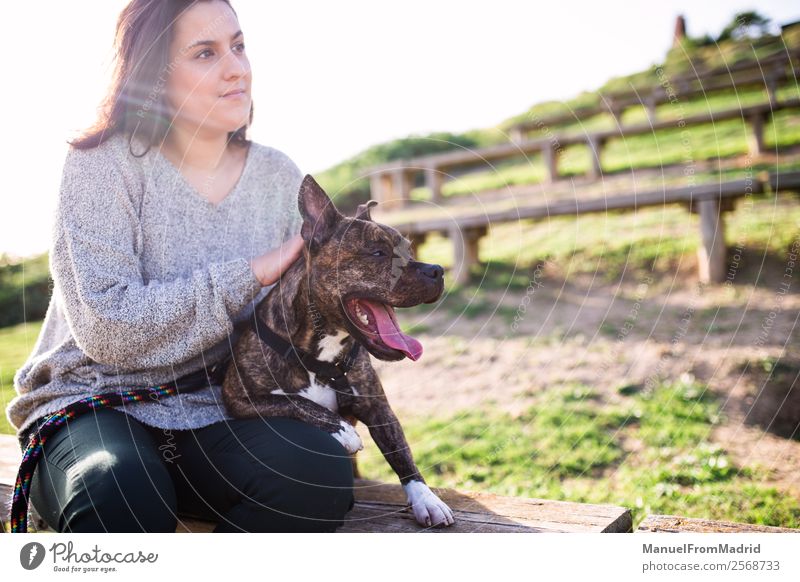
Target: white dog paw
428 509
348 437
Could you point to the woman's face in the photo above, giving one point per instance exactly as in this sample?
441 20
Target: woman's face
207 61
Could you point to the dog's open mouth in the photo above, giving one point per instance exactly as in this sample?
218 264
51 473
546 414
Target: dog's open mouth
378 323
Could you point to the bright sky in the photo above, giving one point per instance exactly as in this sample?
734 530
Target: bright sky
332 78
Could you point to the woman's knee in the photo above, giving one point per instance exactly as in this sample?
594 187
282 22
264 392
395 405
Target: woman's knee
308 486
313 504
119 484
116 490
321 455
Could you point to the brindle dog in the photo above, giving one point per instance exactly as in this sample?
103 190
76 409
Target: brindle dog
352 274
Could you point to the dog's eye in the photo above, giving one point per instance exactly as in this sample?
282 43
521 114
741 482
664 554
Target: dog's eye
378 253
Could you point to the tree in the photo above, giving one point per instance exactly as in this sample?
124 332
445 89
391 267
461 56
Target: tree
748 24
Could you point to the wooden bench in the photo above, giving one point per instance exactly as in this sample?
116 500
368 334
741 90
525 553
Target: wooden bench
381 507
391 183
678 524
710 201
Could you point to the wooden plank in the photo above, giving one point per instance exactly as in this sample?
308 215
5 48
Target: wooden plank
191 525
784 181
370 518
497 152
381 508
708 199
382 518
462 157
677 524
574 207
498 513
761 110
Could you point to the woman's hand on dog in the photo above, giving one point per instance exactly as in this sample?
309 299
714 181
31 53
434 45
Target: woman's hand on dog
269 267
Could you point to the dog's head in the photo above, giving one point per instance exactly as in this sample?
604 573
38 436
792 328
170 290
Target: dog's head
360 271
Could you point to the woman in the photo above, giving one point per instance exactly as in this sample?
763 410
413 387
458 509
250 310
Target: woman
164 210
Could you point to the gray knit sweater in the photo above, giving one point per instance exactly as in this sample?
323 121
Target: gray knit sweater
150 278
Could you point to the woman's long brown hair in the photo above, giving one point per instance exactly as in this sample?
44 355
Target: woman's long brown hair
135 103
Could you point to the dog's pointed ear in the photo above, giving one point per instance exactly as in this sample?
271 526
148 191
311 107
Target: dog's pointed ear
362 211
320 216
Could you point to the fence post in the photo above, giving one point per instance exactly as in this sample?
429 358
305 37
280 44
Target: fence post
465 250
433 180
401 187
711 254
595 150
550 157
756 145
377 191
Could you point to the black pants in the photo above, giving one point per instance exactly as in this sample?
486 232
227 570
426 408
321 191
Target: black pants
106 472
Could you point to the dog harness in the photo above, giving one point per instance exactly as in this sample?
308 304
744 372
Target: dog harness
33 452
329 372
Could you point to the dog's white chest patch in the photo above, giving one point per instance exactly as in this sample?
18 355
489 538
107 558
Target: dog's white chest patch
319 393
331 346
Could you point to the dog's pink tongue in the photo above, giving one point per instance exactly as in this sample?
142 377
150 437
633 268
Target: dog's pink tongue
390 332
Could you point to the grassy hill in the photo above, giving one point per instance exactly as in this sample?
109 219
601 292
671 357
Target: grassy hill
663 147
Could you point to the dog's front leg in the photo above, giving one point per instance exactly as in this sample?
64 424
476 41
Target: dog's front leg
300 408
387 433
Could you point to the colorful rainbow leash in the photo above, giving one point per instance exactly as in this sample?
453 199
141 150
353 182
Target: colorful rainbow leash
33 452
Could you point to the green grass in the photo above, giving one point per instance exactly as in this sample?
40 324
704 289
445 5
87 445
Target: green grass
16 344
24 289
570 445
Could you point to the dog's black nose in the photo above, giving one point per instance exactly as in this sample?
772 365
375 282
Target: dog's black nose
432 271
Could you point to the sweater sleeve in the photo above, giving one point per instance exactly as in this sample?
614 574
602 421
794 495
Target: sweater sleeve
115 316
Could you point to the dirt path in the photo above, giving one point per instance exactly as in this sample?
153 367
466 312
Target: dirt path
606 336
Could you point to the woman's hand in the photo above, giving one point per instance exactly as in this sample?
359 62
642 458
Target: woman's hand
269 267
